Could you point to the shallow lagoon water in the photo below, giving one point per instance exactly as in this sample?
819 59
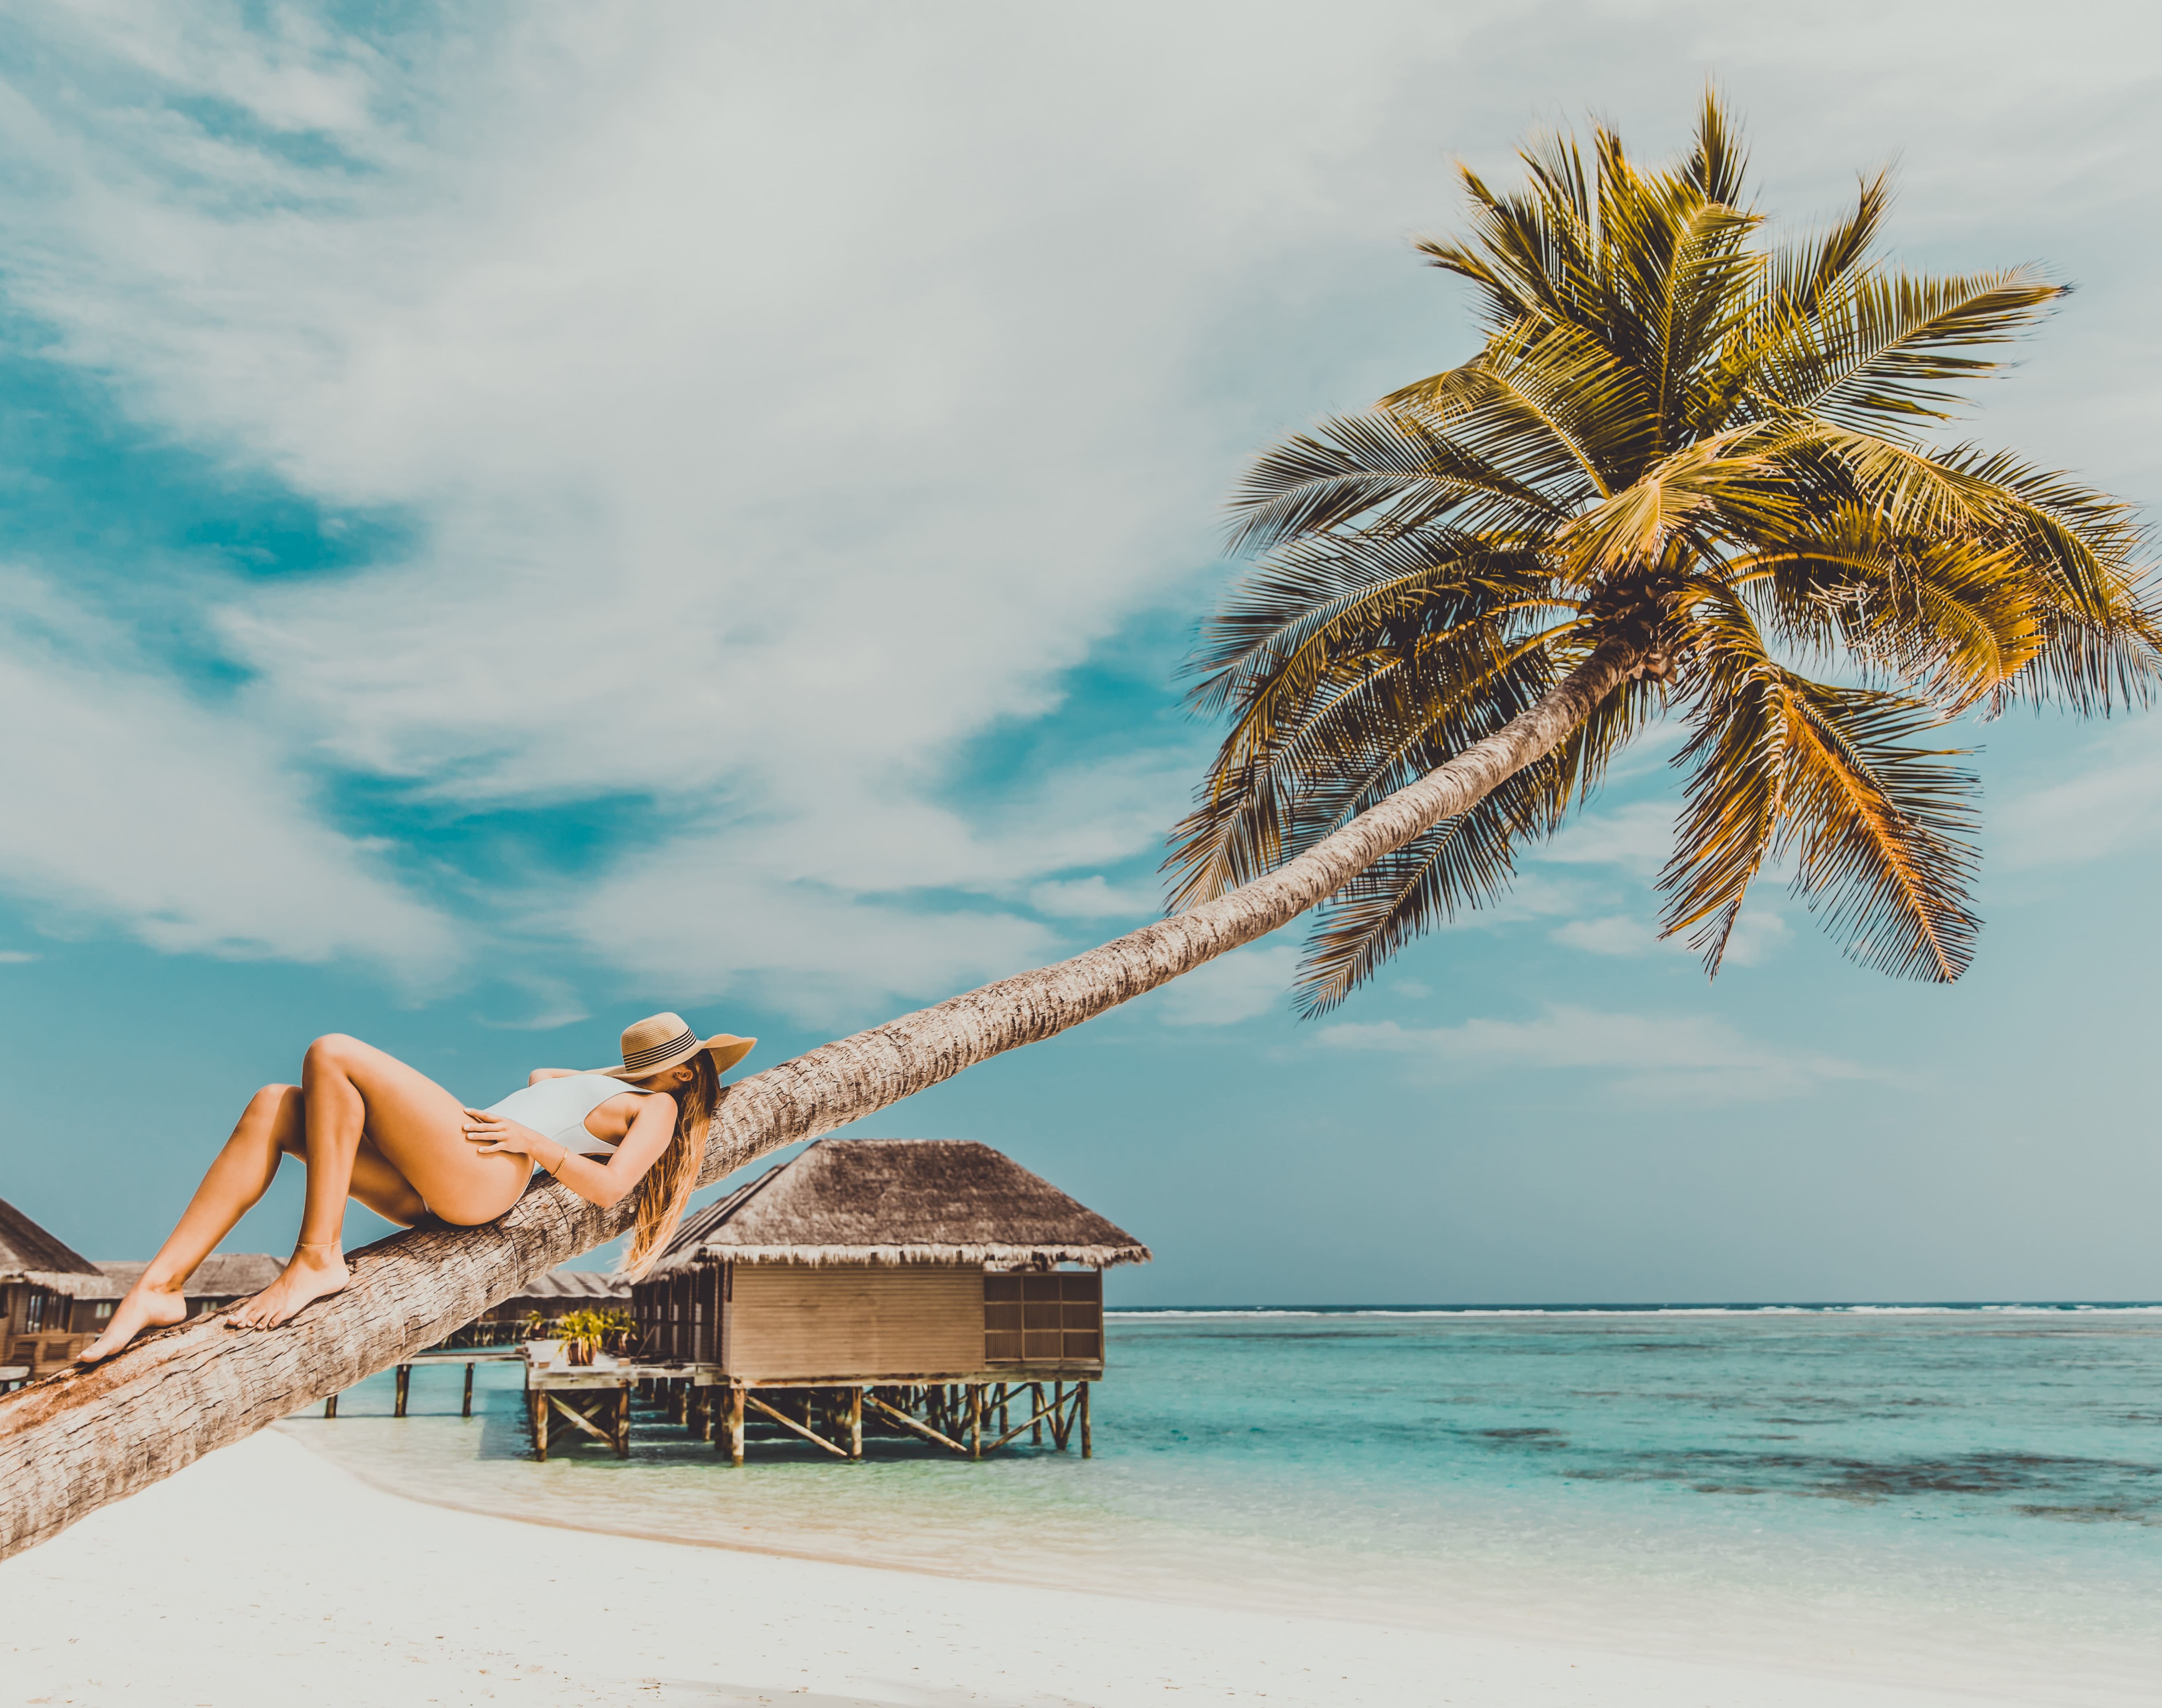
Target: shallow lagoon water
1970 1494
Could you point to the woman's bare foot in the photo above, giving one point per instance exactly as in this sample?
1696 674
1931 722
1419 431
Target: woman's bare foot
144 1308
315 1271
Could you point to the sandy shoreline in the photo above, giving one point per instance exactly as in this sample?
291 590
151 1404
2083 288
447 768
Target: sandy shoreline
189 1594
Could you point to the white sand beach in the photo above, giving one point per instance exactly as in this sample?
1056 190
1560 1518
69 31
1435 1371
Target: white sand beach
266 1575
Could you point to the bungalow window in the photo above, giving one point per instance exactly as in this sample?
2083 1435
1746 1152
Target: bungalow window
104 1309
33 1314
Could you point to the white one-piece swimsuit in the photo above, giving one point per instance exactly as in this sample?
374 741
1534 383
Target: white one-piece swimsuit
556 1109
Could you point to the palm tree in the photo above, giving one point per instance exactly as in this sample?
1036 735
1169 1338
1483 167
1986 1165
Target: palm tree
1702 466
1678 463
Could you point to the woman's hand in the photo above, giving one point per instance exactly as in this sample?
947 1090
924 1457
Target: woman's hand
492 1135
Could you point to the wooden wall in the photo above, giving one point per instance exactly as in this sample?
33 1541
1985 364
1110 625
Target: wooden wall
885 1320
777 1323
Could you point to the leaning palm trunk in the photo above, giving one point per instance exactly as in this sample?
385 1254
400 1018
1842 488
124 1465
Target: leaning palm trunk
74 1442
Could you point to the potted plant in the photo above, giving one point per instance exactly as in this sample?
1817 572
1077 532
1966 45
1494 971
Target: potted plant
586 1334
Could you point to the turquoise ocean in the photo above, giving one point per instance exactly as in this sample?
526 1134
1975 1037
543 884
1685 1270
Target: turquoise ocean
1968 1495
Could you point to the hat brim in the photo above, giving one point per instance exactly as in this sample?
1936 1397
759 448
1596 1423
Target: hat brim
724 1048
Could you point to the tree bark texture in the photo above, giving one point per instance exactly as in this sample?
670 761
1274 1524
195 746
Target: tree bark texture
73 1441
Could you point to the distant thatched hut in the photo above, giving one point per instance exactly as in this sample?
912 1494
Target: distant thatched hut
223 1278
53 1300
921 1271
554 1294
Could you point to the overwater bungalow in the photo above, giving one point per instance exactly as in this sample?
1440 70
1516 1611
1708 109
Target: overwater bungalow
935 1282
53 1299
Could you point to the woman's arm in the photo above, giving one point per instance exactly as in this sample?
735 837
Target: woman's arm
603 1184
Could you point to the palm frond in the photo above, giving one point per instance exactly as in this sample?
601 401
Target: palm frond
1880 831
1876 349
1463 863
1371 700
1878 827
1389 463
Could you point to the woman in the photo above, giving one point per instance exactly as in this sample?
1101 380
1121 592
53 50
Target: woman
372 1128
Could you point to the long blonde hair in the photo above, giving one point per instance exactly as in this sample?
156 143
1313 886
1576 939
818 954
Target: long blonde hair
670 1182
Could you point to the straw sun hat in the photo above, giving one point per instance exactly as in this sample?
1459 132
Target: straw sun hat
662 1041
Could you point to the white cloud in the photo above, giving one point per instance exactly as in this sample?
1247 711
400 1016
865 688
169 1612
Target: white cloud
1617 934
1638 838
780 411
1688 1057
680 914
1242 985
2112 804
16 958
1093 898
552 1003
781 406
1755 934
187 829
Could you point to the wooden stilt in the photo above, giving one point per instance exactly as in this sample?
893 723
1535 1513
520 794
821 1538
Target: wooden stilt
855 1423
975 1420
735 1429
1058 1416
786 1422
404 1385
907 1422
536 1403
1005 1403
622 1424
465 1411
1035 1422
1088 1441
571 1414
330 1406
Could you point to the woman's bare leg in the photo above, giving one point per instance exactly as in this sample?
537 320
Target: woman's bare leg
236 1180
354 1093
270 1129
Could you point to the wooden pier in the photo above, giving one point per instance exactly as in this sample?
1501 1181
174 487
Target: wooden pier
594 1398
467 1356
969 1418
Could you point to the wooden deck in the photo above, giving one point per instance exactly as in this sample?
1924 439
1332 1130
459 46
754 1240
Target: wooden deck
970 1415
594 1398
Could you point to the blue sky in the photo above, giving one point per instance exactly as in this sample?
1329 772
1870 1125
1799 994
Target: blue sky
510 520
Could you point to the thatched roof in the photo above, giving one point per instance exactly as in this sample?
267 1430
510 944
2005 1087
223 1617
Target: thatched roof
563 1284
222 1275
29 1253
900 1201
562 1290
